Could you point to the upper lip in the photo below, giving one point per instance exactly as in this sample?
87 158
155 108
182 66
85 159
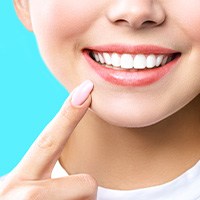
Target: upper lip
129 49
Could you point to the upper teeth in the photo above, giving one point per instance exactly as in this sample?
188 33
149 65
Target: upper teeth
129 61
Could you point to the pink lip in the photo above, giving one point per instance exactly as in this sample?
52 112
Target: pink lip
143 49
131 77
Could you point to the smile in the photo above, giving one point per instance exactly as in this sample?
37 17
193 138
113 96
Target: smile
130 61
131 66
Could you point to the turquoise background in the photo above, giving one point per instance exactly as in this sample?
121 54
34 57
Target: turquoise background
30 96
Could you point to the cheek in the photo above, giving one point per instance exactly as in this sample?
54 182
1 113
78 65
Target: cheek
58 26
193 27
62 17
187 16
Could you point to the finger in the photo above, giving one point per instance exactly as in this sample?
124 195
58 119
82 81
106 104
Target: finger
45 151
76 187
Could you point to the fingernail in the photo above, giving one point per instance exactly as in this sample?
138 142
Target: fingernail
81 93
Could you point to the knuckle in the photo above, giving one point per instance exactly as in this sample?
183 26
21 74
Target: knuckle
90 184
45 141
29 193
35 192
47 144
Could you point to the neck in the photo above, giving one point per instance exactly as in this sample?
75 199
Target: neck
131 158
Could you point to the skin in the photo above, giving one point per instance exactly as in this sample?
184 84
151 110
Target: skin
30 181
154 137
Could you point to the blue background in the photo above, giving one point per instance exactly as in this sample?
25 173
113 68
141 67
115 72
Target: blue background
30 95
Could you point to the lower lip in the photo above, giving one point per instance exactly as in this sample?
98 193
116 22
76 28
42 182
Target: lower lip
131 77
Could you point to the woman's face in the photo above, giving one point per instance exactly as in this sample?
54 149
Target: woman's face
69 32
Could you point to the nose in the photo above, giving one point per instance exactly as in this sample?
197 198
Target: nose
136 13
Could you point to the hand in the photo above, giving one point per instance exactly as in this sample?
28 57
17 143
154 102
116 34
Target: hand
31 179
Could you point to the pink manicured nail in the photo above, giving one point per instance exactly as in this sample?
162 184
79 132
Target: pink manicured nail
81 93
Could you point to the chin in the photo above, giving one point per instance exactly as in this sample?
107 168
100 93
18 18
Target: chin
127 119
136 110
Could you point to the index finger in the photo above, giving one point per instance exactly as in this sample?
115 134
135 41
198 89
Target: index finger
45 151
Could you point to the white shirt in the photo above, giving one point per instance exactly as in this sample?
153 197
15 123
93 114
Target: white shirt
184 187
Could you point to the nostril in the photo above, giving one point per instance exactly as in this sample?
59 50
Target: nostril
149 23
145 24
121 22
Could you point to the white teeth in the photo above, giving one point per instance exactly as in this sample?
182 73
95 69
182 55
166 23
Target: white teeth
96 57
139 61
107 58
115 59
159 60
151 61
101 59
164 60
128 61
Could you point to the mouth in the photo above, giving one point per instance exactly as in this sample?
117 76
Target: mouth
136 66
131 62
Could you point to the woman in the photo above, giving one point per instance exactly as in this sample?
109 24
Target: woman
134 123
